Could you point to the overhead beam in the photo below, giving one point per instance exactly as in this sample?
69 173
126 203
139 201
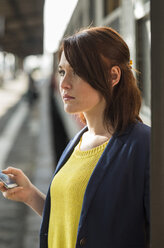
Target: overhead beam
14 5
23 34
28 15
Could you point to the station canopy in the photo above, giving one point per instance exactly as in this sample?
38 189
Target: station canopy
21 27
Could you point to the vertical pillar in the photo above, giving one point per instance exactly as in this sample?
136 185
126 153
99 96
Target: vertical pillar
4 66
99 12
127 26
20 63
157 143
86 13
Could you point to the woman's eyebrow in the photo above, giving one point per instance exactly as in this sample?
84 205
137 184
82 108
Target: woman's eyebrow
65 66
59 66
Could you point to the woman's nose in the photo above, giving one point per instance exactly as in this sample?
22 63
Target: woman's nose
65 83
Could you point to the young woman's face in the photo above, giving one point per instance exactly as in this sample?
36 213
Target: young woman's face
78 96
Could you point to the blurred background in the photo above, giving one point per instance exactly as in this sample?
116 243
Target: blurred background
33 126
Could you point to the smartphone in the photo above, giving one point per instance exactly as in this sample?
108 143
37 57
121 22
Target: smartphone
8 182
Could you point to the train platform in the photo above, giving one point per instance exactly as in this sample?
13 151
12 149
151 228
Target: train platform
25 142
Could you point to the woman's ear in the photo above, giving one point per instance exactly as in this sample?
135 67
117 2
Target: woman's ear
115 75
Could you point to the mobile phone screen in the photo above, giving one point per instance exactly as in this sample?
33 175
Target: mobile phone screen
8 182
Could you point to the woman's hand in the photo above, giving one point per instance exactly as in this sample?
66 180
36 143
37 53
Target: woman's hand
20 193
25 191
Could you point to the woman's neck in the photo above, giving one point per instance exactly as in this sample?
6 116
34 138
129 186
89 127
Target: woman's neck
96 126
97 133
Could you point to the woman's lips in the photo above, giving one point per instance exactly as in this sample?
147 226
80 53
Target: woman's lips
67 97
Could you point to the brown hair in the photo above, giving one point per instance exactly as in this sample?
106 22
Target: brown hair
92 52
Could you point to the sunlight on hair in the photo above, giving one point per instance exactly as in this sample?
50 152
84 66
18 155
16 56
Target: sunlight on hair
56 17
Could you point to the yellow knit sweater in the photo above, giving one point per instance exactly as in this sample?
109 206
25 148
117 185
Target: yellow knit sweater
67 192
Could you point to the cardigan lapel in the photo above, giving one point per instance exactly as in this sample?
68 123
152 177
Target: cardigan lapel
104 163
69 149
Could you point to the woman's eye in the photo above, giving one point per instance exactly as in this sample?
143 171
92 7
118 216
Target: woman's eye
61 73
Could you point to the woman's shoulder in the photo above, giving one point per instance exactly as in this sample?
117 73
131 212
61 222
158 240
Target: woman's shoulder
135 129
140 134
141 129
135 133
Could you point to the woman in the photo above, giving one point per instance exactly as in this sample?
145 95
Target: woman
99 194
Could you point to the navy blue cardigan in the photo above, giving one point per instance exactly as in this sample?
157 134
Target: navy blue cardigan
115 210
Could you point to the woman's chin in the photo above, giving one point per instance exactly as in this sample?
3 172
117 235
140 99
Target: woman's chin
70 110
